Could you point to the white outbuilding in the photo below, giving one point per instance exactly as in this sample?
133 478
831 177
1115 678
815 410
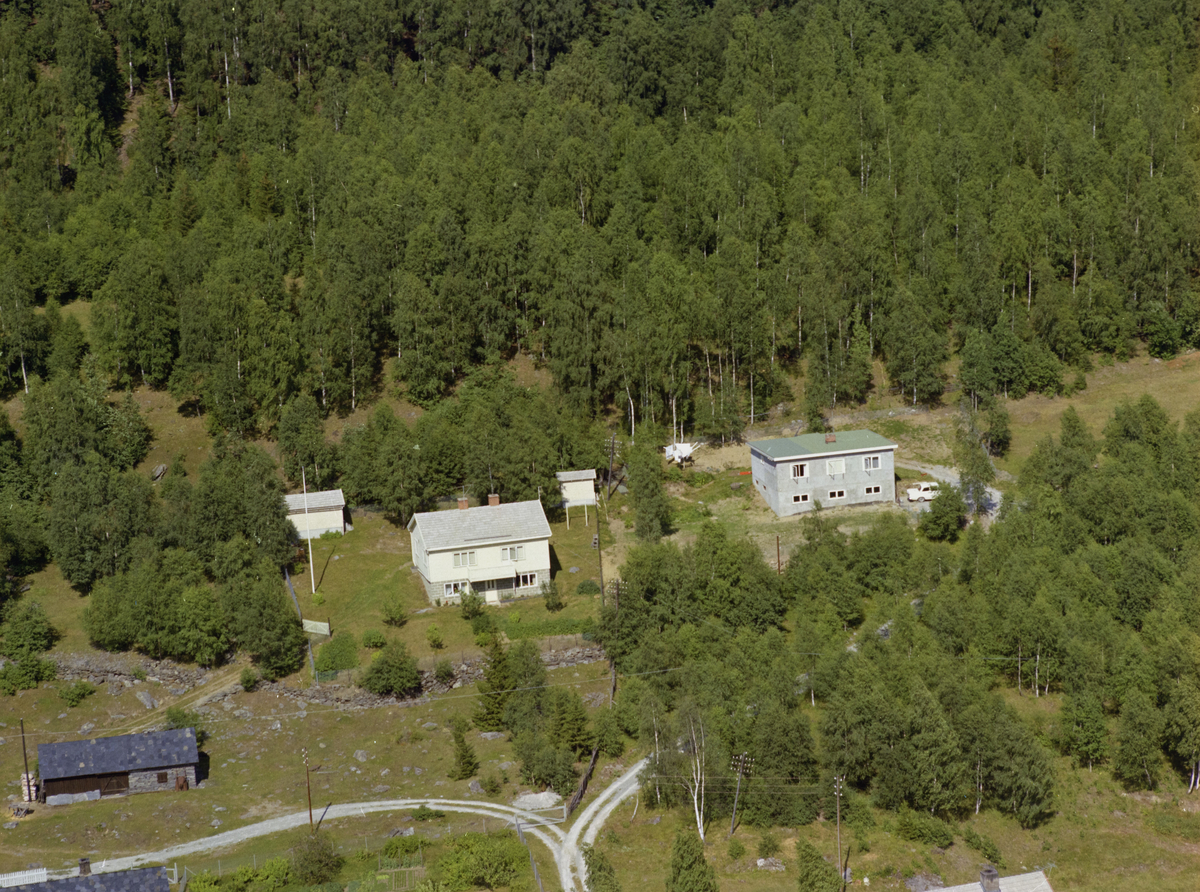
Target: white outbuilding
317 513
577 488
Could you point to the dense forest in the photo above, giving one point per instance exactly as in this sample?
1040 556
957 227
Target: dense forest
665 204
1087 584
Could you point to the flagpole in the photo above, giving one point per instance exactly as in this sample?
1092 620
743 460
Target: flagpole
312 575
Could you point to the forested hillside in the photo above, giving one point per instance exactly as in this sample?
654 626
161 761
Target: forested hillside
666 204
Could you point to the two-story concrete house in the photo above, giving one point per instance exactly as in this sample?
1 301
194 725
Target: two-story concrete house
498 551
846 468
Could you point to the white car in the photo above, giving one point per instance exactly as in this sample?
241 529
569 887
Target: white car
922 492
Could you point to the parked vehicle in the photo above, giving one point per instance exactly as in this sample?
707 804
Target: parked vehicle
923 492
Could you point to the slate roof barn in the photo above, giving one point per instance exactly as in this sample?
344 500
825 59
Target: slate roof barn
991 881
130 763
142 879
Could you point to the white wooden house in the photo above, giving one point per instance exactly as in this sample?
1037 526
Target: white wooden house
318 513
498 551
577 488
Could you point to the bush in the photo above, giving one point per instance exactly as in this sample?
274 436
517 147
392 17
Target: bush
947 515
491 784
768 846
918 827
550 594
27 632
476 860
608 733
26 674
425 813
393 613
373 639
736 849
483 624
434 636
314 860
588 587
471 605
178 717
393 671
249 679
983 846
75 694
444 671
340 652
402 846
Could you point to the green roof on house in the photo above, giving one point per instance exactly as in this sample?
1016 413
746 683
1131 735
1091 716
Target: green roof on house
814 444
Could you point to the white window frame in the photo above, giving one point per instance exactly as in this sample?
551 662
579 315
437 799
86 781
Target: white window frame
527 580
512 553
870 462
464 559
800 471
836 494
874 490
800 499
450 589
835 466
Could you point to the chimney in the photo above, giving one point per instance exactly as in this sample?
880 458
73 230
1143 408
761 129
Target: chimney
493 499
462 503
989 879
831 437
85 867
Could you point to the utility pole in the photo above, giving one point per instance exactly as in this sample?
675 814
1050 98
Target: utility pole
741 763
837 795
25 756
612 442
312 573
308 784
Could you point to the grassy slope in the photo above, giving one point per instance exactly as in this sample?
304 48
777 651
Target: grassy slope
1100 830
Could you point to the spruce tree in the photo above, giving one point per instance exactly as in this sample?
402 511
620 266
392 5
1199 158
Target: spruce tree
465 762
689 871
815 873
493 689
601 876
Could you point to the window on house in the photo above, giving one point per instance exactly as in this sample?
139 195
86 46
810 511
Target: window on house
454 588
464 559
836 466
799 471
837 493
528 580
873 490
870 462
513 553
803 497
162 777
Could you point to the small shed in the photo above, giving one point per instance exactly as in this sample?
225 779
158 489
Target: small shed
317 513
577 488
141 879
105 766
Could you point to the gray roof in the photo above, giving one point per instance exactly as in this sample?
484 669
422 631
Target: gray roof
109 755
485 525
317 501
142 879
814 444
1023 882
576 476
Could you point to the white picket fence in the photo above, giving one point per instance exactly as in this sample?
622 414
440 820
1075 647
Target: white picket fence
22 877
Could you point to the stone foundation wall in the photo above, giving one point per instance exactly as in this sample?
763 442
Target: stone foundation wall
148 782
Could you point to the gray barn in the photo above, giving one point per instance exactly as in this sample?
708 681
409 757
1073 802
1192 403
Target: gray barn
846 468
106 766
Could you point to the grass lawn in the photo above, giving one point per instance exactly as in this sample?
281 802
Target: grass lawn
357 573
